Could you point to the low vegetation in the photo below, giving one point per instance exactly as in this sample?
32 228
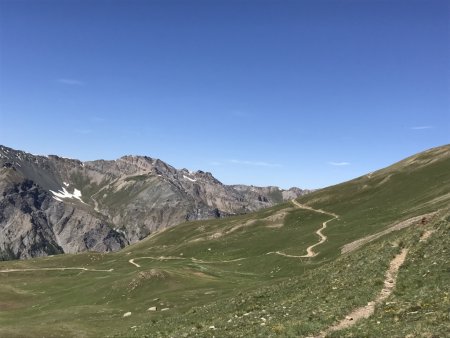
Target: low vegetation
218 278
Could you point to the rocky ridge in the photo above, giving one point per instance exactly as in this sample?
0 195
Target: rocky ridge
50 204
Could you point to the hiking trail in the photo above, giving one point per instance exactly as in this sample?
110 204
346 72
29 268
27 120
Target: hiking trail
54 269
310 250
366 311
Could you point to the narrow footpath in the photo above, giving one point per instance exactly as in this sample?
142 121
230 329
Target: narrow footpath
309 250
366 311
54 269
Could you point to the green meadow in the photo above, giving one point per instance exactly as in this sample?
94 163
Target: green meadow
224 277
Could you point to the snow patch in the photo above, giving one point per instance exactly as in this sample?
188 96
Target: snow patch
120 231
39 155
190 179
65 194
66 184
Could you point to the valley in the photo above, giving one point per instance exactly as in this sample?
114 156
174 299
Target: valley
362 258
224 169
61 205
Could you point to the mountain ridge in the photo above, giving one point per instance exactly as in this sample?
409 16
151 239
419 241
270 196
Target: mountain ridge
117 202
364 258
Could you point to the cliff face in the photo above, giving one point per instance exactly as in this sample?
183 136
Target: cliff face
50 204
33 223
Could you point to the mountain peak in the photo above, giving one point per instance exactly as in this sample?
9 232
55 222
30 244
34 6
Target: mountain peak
125 199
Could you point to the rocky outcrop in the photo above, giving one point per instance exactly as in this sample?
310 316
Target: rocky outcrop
50 204
33 224
270 194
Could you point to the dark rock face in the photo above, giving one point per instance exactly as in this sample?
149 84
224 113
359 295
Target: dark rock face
33 224
50 204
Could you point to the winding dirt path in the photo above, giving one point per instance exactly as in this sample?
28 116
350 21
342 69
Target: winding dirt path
426 235
349 247
55 269
131 261
303 206
96 208
310 250
95 204
161 258
194 260
366 311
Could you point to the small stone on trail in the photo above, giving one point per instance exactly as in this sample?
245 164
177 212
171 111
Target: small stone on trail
349 318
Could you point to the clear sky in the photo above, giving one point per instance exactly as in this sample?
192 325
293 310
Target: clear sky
288 93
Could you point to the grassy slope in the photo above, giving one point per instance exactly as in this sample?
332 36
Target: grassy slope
302 296
420 304
415 186
307 304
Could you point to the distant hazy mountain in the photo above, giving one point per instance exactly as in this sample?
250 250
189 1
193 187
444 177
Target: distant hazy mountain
50 204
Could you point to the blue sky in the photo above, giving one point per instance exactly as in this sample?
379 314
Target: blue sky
288 93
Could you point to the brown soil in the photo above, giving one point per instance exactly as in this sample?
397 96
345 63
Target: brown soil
366 311
398 226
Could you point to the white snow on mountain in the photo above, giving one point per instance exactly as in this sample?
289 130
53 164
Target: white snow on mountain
190 179
65 194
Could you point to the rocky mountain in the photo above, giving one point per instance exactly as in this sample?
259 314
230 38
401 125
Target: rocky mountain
272 194
371 253
50 204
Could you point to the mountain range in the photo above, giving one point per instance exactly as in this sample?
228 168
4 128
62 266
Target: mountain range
50 204
363 258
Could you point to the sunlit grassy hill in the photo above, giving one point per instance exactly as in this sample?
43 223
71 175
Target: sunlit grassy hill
245 275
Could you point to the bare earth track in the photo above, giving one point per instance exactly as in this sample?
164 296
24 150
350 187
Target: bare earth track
349 247
389 282
352 317
55 269
163 258
309 250
366 311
